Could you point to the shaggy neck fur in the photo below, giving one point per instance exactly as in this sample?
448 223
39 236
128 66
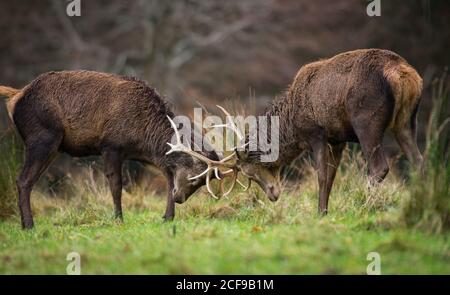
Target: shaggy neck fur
289 140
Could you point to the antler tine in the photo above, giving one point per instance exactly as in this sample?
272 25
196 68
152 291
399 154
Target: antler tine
243 186
200 175
175 129
231 125
227 172
216 172
208 187
173 147
179 147
229 157
233 184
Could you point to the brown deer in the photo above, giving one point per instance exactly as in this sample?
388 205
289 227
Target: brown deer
352 97
85 113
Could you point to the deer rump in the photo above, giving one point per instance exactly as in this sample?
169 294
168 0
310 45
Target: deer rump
357 88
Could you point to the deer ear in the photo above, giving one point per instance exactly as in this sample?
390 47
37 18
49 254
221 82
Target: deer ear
242 155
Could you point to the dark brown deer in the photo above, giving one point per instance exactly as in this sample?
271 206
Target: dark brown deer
352 97
87 113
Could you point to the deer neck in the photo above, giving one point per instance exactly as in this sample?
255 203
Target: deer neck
291 141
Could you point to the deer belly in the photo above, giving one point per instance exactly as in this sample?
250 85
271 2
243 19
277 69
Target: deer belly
81 142
340 131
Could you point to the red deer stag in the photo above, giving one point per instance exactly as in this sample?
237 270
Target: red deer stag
87 113
352 97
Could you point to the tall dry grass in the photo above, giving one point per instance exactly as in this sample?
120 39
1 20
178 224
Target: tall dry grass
428 204
85 197
10 158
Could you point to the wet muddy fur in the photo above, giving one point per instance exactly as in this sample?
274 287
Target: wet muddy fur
352 97
85 113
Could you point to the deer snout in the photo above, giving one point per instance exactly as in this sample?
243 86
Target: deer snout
179 200
178 196
273 192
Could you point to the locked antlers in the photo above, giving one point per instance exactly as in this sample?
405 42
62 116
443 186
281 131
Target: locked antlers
213 166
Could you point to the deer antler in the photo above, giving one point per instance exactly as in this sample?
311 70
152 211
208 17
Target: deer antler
212 165
232 126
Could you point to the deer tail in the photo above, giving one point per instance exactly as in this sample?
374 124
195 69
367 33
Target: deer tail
12 95
406 85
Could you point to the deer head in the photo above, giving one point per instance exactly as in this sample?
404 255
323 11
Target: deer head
186 184
266 175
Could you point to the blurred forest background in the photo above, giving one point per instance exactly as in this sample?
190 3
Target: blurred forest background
211 51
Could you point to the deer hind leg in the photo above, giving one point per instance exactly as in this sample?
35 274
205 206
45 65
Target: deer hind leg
113 170
38 156
370 133
371 144
406 137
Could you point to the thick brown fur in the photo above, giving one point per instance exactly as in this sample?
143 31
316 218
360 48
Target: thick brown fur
354 96
406 85
85 113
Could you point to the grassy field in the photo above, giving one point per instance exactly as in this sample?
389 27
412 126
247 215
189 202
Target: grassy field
406 220
245 234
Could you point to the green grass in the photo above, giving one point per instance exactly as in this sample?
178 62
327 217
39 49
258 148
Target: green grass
245 234
406 222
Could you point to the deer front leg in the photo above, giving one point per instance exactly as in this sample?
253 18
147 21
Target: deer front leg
319 148
170 206
334 159
113 171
